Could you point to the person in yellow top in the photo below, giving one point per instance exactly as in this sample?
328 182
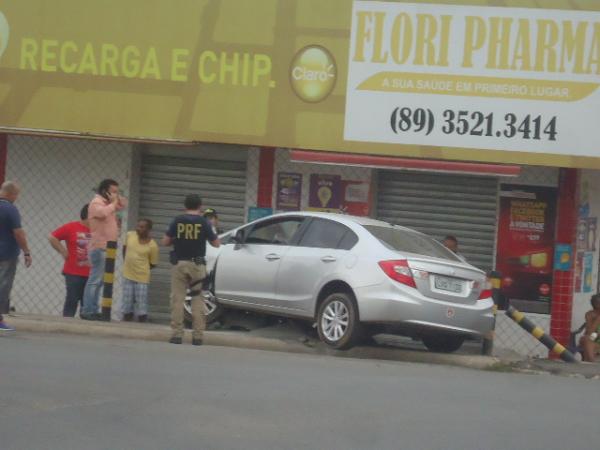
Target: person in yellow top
141 255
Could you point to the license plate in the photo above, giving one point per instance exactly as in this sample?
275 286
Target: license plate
448 284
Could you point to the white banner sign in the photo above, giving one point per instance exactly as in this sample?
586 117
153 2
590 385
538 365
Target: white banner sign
475 77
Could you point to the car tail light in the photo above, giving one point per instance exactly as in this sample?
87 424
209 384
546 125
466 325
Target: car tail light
486 292
399 271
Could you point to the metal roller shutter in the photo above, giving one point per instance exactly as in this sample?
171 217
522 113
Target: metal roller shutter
439 205
165 181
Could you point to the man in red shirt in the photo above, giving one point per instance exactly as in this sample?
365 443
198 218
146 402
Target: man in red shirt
76 270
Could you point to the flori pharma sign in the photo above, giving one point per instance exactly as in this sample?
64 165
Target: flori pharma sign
477 77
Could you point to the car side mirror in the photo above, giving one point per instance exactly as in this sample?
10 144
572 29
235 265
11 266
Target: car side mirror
238 237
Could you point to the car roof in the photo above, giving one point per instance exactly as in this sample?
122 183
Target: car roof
343 218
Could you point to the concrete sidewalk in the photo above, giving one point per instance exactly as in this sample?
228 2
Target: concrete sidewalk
286 338
156 332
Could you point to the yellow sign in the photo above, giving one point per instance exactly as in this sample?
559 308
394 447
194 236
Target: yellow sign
304 73
464 85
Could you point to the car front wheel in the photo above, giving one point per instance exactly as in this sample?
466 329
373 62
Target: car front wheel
443 343
212 310
337 321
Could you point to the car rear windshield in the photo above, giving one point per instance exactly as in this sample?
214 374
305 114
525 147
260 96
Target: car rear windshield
410 242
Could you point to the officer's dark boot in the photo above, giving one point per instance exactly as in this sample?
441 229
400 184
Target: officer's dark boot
143 318
128 317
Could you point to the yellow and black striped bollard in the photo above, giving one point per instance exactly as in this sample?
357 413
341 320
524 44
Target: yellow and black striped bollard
540 335
109 279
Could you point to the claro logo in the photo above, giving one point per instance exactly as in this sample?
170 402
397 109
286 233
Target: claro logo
4 33
313 73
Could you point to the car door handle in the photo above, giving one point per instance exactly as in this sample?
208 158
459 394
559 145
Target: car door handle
272 257
328 259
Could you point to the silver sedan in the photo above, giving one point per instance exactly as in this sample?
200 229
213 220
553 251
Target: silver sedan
350 276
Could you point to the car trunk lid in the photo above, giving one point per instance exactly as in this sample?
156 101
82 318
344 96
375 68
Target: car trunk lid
447 280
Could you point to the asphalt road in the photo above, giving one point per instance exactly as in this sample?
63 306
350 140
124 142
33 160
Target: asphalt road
67 392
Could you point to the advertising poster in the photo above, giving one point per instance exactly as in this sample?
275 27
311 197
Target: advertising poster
526 242
579 272
588 267
582 227
289 191
255 213
591 233
587 233
325 193
563 257
356 197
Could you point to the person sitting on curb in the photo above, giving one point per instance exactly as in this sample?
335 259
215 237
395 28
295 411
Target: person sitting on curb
590 341
141 255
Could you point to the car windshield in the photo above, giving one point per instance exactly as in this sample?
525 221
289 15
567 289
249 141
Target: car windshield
410 242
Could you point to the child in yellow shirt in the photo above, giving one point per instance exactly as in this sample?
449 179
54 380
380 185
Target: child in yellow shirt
141 255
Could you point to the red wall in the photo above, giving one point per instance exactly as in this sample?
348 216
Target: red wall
566 233
265 177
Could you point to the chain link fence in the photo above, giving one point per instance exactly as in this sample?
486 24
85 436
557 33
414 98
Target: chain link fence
58 177
510 336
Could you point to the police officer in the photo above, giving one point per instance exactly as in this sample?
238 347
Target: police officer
188 234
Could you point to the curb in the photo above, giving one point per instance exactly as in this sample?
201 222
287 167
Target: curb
161 333
589 371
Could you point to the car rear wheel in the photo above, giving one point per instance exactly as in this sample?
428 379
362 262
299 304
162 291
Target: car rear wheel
443 343
337 321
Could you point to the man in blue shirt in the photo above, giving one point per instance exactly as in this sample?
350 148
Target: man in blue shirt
12 241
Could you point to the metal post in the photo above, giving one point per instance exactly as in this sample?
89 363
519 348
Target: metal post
540 335
109 279
487 347
488 340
